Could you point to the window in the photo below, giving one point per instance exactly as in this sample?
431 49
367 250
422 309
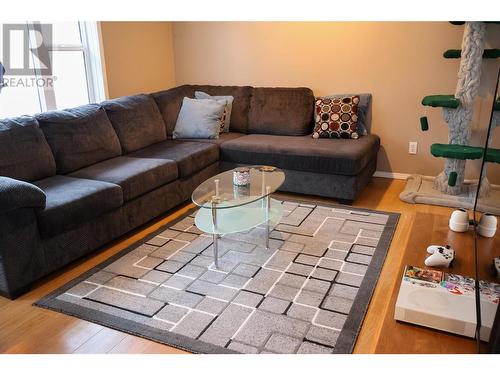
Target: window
72 76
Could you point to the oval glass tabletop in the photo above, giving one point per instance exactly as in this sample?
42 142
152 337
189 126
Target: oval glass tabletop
240 218
264 180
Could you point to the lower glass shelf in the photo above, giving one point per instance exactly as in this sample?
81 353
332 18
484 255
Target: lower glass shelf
240 218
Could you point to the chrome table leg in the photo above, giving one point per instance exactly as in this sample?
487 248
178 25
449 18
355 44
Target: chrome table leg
268 209
215 235
216 250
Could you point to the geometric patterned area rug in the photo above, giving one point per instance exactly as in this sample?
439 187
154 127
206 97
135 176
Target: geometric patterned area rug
307 294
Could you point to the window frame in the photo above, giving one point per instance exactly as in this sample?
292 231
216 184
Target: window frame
90 46
93 55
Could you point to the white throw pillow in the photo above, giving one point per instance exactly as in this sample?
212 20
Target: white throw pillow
199 118
229 105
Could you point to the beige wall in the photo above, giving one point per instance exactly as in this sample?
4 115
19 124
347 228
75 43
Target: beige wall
138 57
398 63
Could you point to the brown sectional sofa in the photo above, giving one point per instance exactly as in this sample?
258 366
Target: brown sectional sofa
73 180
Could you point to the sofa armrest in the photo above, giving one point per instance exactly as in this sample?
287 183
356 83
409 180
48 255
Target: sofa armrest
15 194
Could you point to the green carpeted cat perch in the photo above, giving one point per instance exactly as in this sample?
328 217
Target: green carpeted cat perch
445 101
487 54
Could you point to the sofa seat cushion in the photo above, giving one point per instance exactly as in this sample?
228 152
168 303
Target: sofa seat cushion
223 137
303 153
190 157
73 201
135 176
79 136
24 152
136 120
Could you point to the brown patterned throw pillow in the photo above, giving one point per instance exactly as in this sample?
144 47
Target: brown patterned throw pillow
336 117
222 121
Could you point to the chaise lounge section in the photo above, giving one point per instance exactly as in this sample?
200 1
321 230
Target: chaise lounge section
74 180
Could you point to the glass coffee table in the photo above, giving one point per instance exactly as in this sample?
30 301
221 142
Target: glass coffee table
227 208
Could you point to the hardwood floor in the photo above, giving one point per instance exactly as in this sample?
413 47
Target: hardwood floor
398 337
28 329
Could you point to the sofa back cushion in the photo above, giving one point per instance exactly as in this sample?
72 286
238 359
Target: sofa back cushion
136 120
240 107
281 111
79 136
24 152
169 103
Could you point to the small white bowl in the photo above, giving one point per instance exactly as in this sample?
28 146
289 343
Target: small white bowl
487 226
459 220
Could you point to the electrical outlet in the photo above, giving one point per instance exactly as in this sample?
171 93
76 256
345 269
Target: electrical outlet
412 148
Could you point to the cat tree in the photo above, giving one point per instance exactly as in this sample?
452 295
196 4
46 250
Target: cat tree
450 187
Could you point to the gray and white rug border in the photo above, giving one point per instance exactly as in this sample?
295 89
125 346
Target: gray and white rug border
352 326
345 342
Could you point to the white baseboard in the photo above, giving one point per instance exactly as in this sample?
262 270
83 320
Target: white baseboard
393 175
